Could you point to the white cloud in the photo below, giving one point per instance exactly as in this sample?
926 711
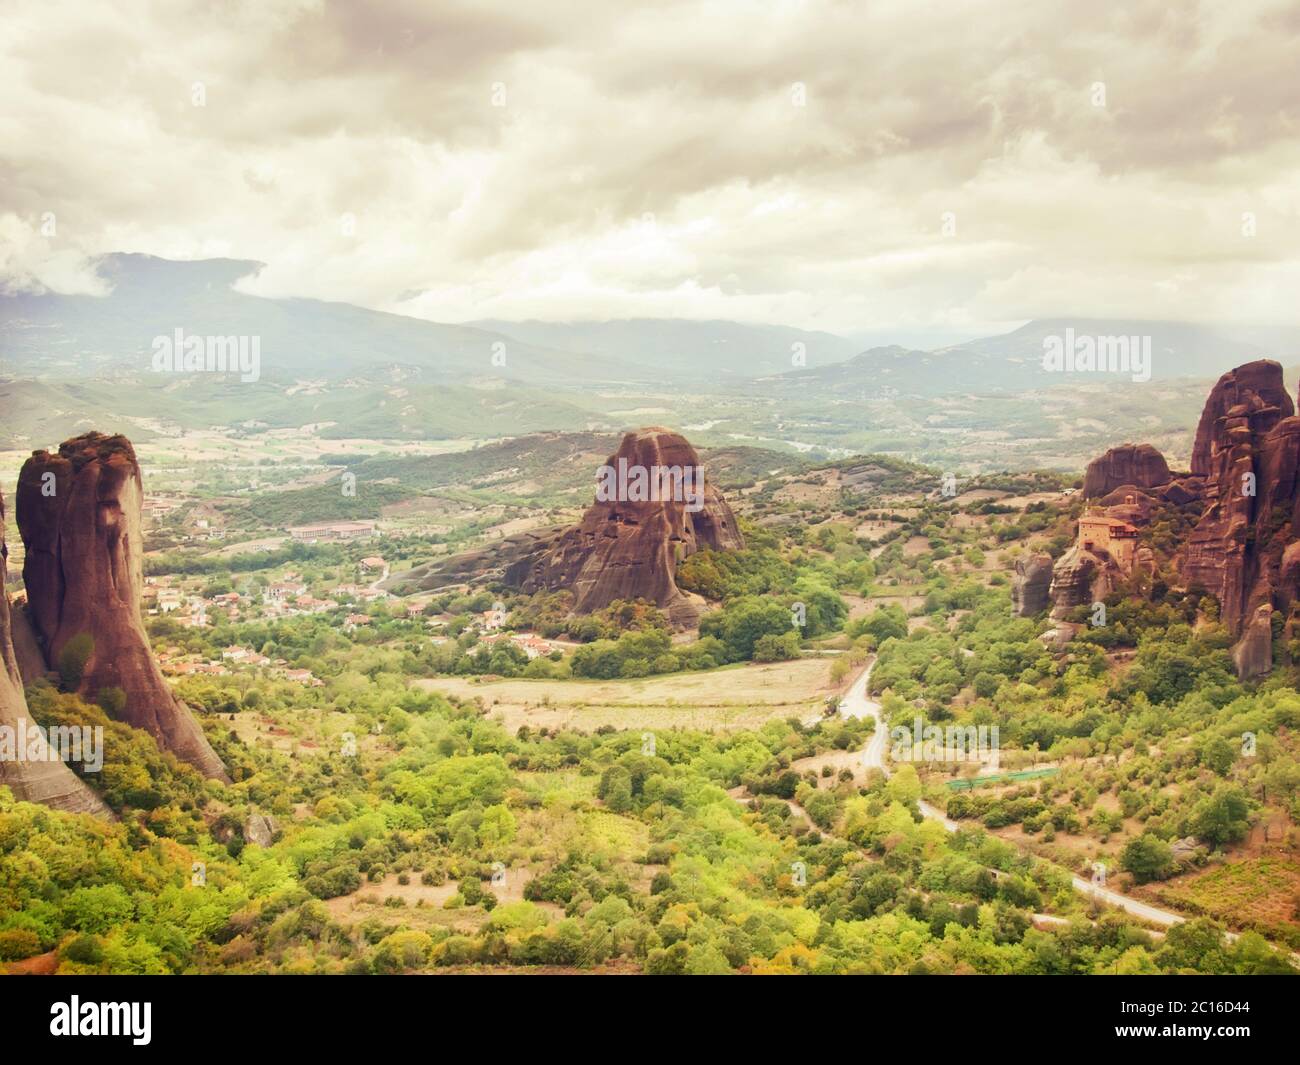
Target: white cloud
826 215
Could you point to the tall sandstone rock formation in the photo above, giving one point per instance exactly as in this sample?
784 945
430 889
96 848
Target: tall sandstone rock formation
1030 584
1139 465
630 548
1080 578
48 782
79 516
1243 549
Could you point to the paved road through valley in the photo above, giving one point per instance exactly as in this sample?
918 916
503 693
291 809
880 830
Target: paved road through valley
857 703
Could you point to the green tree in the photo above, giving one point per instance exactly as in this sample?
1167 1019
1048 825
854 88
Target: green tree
743 622
1148 858
782 648
1221 818
1218 754
72 660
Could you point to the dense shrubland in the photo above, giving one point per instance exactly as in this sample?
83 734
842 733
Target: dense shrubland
632 858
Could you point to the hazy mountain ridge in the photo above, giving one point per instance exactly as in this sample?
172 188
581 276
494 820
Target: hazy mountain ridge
710 349
58 335
1013 362
337 370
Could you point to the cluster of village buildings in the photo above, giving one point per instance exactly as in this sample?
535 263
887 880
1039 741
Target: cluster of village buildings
289 597
205 521
285 598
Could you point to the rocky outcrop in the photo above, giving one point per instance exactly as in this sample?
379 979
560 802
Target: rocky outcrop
468 567
1248 451
27 648
41 778
1129 503
1254 384
79 516
1253 653
1136 465
1080 578
1030 584
260 829
630 541
1244 549
1182 491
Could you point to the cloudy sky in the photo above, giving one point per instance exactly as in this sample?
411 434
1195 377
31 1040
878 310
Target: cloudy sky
869 166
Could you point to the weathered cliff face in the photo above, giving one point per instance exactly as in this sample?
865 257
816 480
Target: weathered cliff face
1030 584
1254 384
27 648
486 563
1252 655
43 781
79 516
1248 450
1139 465
1080 578
628 547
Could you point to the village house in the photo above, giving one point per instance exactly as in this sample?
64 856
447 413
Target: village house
307 604
195 615
157 506
244 656
532 645
186 669
302 676
333 530
285 590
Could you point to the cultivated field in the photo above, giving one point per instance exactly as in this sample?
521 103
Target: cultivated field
730 698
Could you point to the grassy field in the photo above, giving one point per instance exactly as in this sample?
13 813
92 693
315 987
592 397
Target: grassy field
1259 892
729 698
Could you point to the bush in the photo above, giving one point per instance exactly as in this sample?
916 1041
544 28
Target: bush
780 648
84 950
1148 858
18 943
401 952
72 660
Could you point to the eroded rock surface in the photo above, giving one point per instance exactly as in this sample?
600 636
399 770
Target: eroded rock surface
1248 451
79 515
43 780
1030 584
629 548
1138 465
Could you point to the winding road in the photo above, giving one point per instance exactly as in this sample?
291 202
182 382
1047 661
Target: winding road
857 703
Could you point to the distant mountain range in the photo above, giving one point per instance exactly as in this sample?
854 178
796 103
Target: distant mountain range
59 335
55 335
71 362
1013 363
709 351
50 335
